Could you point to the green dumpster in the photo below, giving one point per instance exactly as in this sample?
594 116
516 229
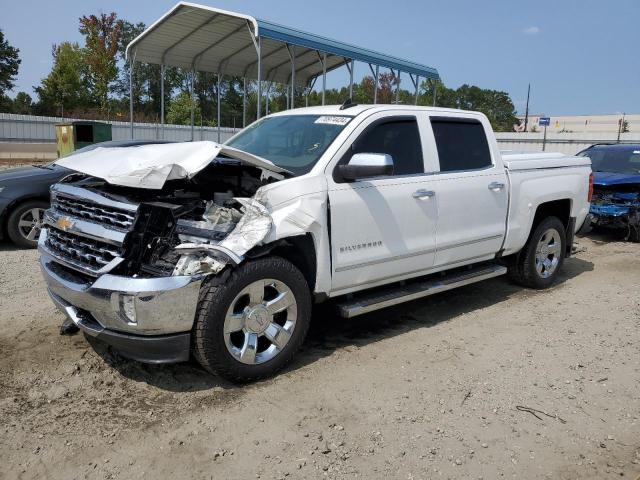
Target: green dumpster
75 135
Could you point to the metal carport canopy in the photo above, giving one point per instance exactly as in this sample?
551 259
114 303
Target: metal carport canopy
208 39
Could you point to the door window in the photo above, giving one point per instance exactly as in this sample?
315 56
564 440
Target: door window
462 144
398 138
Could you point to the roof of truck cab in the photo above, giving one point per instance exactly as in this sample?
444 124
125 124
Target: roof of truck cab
355 110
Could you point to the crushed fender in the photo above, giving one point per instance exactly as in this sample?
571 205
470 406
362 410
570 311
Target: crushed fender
247 228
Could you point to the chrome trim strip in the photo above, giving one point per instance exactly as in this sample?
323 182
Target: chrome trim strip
86 229
384 260
469 242
441 285
416 254
88 195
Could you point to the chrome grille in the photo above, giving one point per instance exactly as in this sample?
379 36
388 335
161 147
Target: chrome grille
83 253
86 230
104 215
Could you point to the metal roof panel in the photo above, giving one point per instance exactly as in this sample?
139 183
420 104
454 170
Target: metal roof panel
214 40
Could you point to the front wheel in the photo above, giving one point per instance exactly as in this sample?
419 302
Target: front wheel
250 324
539 262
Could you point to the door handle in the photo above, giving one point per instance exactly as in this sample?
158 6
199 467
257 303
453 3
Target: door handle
422 194
495 186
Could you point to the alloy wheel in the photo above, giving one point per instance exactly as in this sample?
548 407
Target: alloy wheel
260 321
30 223
548 253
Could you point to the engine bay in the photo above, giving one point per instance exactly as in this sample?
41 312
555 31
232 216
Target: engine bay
195 213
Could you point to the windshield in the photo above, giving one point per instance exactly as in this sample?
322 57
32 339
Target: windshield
614 159
294 142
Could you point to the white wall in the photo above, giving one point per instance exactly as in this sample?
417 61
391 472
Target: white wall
32 128
586 123
569 143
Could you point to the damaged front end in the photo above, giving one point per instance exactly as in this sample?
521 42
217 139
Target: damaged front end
189 227
125 264
617 207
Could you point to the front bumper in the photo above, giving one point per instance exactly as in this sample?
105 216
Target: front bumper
147 319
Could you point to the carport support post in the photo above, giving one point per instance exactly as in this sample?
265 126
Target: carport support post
417 85
244 102
376 74
193 106
218 103
131 96
259 50
324 77
398 88
350 67
162 99
292 56
435 91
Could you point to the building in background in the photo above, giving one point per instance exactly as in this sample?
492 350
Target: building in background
585 123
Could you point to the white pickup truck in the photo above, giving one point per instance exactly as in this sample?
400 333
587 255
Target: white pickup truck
219 251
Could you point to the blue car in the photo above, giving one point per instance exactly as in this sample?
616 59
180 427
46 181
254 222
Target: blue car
616 187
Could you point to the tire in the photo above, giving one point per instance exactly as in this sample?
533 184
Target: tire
526 269
245 298
22 235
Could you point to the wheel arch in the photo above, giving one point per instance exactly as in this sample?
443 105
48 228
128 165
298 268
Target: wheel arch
300 250
555 208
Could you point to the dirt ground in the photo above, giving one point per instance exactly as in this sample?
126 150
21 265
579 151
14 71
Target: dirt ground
437 388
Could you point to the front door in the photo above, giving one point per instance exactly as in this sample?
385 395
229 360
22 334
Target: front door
383 228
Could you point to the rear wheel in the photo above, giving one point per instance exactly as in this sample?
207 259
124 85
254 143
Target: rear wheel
539 262
25 222
249 325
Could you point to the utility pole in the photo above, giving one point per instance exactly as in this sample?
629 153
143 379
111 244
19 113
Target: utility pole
526 112
620 127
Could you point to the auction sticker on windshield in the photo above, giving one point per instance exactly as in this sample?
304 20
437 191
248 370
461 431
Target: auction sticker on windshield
331 120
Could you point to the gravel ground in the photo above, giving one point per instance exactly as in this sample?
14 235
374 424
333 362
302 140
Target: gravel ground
438 388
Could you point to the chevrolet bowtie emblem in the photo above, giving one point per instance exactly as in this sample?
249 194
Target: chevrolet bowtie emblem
64 223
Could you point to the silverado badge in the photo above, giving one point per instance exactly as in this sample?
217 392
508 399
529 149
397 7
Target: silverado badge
64 223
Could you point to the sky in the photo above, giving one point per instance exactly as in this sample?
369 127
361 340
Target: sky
581 57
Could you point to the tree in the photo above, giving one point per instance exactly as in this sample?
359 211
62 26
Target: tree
9 63
66 86
179 112
129 31
22 104
102 37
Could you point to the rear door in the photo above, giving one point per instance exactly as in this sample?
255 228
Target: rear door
383 228
472 192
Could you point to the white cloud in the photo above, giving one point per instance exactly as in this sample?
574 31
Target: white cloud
533 30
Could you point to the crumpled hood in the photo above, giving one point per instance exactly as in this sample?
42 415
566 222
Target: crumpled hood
610 178
150 166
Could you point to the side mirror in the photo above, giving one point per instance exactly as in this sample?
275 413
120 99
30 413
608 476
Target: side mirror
363 165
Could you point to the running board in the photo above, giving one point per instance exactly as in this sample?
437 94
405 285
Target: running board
368 302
